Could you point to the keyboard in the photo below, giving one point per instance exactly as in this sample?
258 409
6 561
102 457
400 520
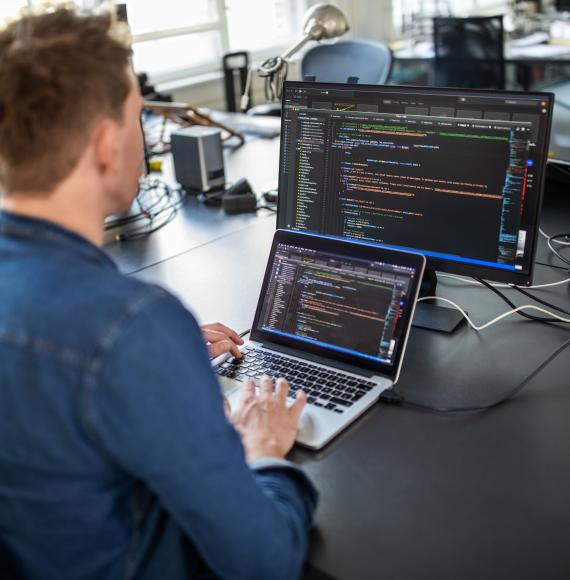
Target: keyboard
329 389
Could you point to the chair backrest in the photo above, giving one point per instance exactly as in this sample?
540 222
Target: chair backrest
469 52
368 60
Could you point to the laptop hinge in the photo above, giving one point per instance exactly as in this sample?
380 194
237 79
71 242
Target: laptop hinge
341 366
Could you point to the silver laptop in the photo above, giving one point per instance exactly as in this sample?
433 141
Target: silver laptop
333 318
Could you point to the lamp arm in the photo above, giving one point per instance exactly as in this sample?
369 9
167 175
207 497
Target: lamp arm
275 64
296 47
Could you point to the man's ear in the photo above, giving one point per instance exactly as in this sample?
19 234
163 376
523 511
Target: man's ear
105 147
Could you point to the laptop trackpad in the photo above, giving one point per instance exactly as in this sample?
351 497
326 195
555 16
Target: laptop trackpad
306 425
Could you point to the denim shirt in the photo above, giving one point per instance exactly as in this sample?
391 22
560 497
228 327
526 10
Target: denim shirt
116 459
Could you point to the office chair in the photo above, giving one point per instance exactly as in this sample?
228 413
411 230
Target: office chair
469 52
368 60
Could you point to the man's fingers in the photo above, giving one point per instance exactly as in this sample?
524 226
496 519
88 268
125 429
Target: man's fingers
222 328
247 392
232 334
282 389
299 404
217 348
214 335
266 385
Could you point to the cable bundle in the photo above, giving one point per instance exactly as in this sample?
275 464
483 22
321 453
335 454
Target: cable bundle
158 205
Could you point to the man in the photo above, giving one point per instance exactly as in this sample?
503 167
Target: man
116 457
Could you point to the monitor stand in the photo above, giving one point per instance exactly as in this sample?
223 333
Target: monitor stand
430 316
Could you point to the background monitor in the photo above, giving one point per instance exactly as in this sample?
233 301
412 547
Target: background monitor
456 175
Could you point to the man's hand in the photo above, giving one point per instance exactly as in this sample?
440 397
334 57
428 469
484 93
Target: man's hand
266 425
221 339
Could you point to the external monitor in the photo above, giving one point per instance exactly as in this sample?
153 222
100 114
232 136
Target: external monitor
454 174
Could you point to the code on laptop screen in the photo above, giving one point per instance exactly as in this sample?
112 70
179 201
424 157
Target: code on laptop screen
345 304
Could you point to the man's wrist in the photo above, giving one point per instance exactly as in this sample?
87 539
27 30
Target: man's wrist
267 449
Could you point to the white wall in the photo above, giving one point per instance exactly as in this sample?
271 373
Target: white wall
367 19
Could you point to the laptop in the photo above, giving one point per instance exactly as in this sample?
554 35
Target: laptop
333 318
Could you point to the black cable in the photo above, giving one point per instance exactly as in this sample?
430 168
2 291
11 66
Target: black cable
394 397
552 266
158 204
145 231
529 295
145 213
274 210
561 168
244 333
512 305
554 250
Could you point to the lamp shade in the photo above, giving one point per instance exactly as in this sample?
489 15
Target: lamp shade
324 21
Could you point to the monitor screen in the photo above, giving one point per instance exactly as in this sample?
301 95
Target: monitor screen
343 304
454 174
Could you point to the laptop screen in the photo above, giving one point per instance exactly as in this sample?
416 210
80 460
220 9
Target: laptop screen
349 307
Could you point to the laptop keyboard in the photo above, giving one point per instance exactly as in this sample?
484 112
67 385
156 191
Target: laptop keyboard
326 388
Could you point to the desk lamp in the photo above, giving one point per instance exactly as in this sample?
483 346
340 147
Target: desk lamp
319 22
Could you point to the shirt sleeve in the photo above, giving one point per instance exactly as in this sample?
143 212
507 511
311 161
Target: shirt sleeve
156 408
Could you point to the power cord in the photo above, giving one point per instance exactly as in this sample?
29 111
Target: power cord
267 207
393 397
554 239
532 297
238 197
519 309
554 266
508 286
515 310
547 236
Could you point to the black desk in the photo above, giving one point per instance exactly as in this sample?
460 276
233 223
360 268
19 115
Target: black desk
198 224
523 58
408 494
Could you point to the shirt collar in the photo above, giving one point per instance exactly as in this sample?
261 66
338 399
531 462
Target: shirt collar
16 225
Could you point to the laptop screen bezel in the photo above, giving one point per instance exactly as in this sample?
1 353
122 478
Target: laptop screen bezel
349 249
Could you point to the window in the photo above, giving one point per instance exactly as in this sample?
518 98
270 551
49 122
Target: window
279 20
184 38
175 39
10 8
416 15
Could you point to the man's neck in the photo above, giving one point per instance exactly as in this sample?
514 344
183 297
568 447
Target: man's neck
64 210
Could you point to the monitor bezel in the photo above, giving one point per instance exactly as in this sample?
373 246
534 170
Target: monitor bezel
459 267
348 248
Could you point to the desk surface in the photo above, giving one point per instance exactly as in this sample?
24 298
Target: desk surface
405 493
197 224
